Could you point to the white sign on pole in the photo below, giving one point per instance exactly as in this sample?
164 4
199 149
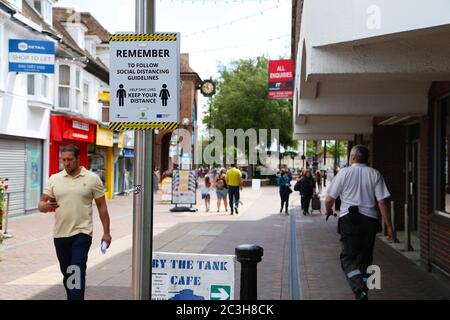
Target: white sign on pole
144 81
192 276
256 184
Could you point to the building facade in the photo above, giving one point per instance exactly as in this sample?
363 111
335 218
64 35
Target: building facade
377 73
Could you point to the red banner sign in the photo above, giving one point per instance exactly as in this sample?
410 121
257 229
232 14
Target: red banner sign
281 79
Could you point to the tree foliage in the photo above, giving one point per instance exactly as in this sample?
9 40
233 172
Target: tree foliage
242 103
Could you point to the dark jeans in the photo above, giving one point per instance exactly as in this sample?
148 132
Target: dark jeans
358 234
233 196
284 200
306 199
73 251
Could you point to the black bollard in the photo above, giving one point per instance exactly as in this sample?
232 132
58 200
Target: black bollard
249 255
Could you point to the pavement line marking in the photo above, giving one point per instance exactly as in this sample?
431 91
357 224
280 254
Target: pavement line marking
294 279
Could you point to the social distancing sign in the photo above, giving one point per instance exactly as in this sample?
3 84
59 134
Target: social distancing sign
144 81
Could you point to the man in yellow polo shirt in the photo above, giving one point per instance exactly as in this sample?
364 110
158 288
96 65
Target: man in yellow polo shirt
70 193
233 179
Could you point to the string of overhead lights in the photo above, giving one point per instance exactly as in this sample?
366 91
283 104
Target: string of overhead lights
231 22
219 1
238 45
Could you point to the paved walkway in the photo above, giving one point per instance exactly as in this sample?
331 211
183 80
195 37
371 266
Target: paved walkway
29 268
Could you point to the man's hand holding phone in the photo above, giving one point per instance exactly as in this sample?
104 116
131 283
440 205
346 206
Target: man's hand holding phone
52 205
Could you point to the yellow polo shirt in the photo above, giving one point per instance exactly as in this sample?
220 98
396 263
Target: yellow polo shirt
74 196
234 177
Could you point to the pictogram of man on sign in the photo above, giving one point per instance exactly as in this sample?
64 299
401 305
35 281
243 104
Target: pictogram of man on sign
164 95
121 94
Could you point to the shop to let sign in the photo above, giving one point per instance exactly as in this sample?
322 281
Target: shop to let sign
281 79
144 81
31 56
192 276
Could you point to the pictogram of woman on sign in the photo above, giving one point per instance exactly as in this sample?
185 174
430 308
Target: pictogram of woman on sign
164 95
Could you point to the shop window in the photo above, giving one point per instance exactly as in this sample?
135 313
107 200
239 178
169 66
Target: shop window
442 150
64 87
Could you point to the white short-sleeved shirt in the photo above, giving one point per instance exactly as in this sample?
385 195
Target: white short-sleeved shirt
359 185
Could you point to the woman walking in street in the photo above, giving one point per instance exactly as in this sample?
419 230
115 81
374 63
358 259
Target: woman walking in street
306 186
205 192
285 191
221 190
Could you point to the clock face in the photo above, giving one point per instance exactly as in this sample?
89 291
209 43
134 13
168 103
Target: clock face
207 88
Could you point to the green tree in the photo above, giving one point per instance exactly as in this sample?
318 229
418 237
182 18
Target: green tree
242 103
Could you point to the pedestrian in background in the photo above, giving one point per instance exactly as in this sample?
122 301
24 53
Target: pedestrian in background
318 178
221 190
361 189
306 186
285 191
70 193
206 192
233 179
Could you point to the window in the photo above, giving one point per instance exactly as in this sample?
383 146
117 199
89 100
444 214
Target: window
78 90
38 5
30 84
44 86
64 86
86 98
442 150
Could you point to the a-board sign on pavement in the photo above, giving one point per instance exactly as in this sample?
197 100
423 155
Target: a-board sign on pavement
144 81
185 276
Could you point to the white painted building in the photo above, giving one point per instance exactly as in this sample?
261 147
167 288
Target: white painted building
25 104
28 101
358 59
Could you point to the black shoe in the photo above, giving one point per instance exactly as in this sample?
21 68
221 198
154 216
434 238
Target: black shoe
231 212
281 210
304 213
236 210
362 296
287 213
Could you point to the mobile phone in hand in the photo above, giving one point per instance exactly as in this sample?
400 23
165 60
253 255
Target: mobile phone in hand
52 201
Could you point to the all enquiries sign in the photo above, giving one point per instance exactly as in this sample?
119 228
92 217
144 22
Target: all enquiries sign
144 81
192 276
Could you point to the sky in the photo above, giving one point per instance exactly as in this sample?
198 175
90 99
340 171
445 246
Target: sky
213 32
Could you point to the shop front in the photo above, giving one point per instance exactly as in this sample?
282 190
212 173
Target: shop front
21 162
66 130
124 165
101 159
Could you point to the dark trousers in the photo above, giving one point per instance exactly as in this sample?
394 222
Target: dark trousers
284 200
306 199
358 234
72 254
233 196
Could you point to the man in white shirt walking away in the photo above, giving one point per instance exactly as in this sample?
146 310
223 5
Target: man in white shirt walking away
360 189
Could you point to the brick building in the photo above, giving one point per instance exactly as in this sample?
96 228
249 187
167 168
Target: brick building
376 75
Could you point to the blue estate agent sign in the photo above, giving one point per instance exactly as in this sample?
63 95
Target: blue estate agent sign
31 56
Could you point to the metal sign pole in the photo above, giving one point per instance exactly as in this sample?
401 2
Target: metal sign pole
143 180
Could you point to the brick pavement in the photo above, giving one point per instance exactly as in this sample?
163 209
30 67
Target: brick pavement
30 262
322 277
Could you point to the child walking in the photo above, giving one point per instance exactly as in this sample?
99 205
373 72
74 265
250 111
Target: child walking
205 192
